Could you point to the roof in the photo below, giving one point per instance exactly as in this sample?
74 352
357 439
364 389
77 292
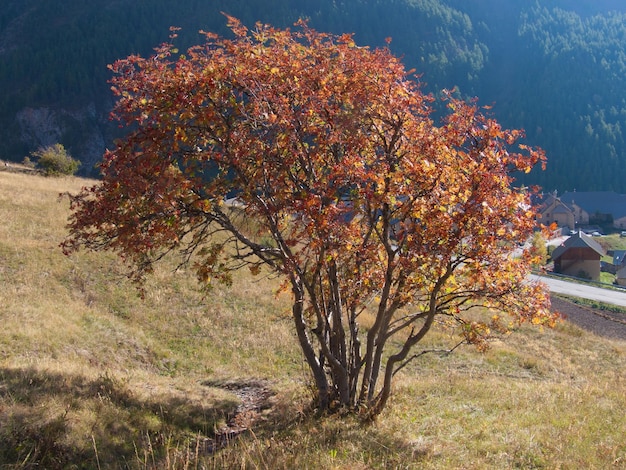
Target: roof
561 209
579 240
618 257
601 202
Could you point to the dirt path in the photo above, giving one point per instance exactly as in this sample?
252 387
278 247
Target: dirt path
601 322
255 396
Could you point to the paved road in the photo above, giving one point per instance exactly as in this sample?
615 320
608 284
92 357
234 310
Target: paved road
608 296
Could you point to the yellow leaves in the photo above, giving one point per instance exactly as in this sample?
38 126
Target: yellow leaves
274 70
181 135
347 40
476 333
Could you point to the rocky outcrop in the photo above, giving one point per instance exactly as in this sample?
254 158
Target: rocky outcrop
80 130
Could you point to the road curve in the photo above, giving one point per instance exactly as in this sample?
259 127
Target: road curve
583 291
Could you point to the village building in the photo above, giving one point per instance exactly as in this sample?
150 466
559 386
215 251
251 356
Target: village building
554 210
578 256
600 207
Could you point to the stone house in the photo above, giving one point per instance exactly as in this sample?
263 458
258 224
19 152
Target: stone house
554 210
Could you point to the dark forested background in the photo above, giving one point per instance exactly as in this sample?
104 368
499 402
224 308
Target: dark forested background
556 68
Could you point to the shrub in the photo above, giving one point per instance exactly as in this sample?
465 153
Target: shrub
55 161
27 162
362 204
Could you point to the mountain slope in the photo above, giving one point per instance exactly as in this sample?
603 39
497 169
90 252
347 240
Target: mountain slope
553 67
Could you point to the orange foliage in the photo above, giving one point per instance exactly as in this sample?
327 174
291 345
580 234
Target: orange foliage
330 148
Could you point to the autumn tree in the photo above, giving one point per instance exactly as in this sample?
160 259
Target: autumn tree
300 154
539 249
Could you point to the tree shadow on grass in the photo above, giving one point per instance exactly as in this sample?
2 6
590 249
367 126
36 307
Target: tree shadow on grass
286 438
53 420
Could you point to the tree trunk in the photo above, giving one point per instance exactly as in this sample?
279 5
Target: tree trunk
319 375
385 392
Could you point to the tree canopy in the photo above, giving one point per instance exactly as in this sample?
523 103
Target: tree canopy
301 154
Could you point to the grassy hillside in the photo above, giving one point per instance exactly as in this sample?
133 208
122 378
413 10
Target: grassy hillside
93 375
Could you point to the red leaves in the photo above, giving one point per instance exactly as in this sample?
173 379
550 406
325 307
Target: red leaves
333 157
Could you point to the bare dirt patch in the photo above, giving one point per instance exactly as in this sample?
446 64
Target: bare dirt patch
601 322
255 398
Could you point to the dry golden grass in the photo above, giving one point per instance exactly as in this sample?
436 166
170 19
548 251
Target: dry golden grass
91 375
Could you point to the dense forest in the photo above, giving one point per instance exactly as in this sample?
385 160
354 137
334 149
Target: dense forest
556 68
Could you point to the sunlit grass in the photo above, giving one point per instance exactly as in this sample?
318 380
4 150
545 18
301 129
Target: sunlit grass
92 373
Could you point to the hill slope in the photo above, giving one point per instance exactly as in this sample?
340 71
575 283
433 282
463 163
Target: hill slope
92 374
56 60
554 67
